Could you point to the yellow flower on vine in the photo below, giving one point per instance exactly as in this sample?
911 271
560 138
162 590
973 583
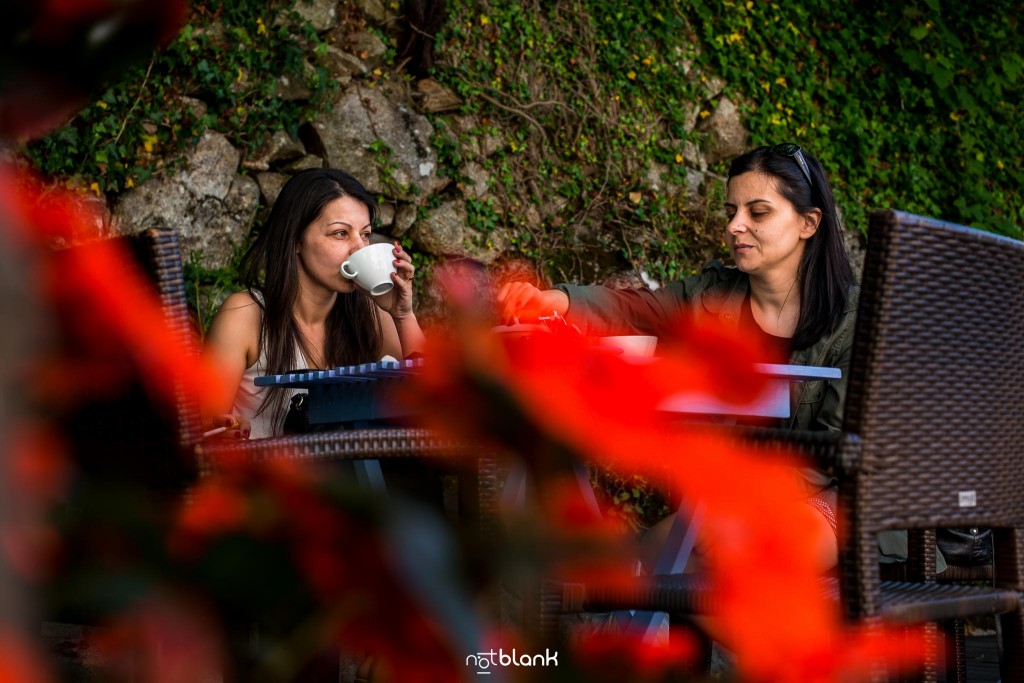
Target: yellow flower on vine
484 20
734 38
261 28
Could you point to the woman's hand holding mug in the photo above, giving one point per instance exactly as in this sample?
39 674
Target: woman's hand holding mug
398 301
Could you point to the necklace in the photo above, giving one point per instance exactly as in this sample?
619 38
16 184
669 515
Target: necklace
778 318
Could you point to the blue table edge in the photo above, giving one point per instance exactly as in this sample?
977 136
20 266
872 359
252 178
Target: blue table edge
370 371
797 372
341 375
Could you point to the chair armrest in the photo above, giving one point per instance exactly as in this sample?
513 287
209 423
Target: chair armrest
333 446
836 453
679 593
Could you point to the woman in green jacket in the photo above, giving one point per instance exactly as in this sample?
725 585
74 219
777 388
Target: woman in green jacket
792 286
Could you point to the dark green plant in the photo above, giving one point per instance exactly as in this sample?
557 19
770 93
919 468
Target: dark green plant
208 287
913 104
629 497
585 97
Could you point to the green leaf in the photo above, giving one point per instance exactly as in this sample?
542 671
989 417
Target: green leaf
919 32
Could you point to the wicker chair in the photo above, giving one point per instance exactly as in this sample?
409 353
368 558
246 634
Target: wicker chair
933 435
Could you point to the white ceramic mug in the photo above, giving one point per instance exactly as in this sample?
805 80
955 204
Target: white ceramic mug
636 345
370 268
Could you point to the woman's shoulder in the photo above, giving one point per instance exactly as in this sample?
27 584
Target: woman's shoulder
244 302
240 312
713 273
718 271
234 332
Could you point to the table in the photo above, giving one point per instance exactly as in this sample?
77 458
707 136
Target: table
353 395
773 401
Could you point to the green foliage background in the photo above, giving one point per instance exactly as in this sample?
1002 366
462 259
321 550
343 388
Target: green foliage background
910 104
226 60
587 95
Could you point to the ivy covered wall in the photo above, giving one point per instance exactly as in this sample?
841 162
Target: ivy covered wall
596 111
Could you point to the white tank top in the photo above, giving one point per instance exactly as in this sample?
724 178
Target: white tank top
250 397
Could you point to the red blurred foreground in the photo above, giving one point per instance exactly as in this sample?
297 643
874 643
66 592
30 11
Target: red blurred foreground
552 395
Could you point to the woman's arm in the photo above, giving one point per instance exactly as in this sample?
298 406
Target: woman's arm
402 337
596 309
231 346
524 302
402 333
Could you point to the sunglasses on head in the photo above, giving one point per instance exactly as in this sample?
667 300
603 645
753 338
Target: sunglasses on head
789 149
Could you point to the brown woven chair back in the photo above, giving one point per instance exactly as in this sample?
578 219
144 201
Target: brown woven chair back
158 251
120 427
936 390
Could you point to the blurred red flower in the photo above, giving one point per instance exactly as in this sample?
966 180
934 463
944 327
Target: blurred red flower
609 656
20 662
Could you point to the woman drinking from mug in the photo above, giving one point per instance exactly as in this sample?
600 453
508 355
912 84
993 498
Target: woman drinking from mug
298 311
792 287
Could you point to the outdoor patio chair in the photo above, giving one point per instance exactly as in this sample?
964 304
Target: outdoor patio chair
933 436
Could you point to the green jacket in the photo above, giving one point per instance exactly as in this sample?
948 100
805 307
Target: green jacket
720 291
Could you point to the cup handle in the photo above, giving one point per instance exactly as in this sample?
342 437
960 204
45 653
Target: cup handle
345 271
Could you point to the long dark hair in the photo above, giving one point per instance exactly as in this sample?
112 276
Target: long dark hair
825 272
269 270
